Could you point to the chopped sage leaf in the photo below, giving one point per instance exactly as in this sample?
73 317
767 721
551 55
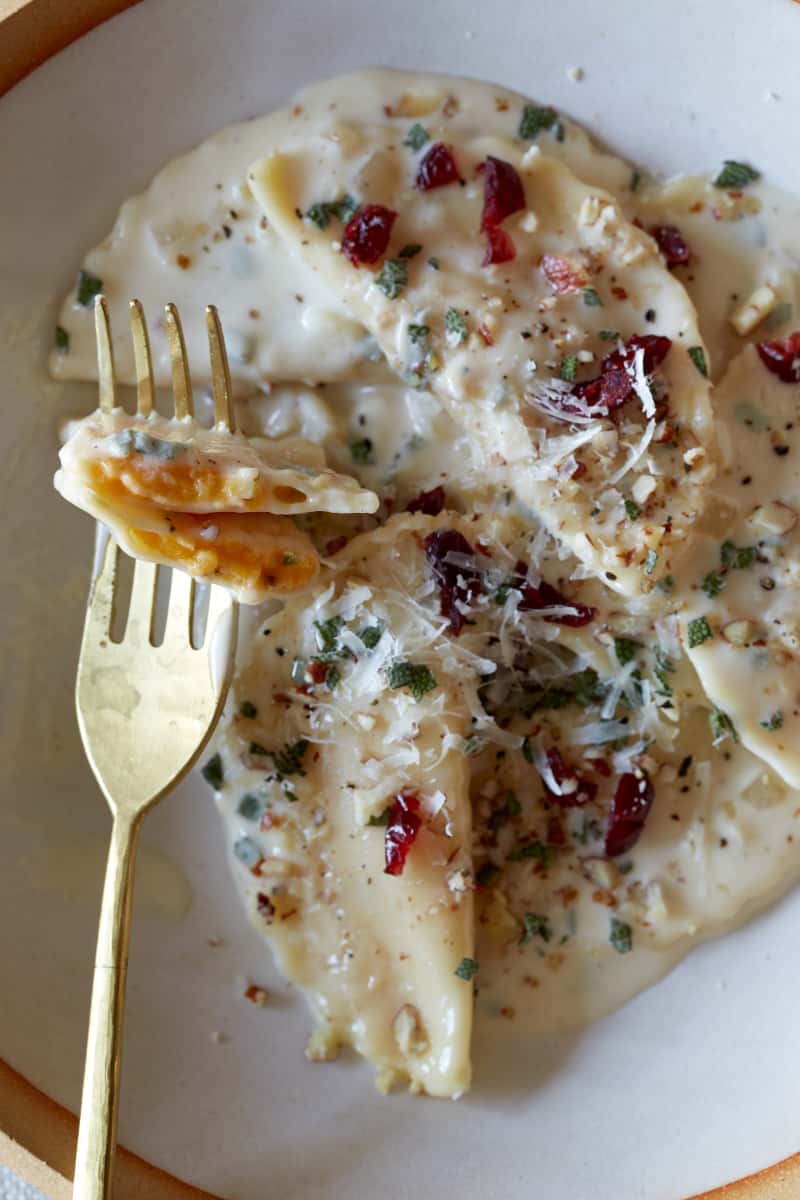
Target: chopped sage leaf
774 722
418 678
416 137
467 969
393 277
621 936
535 118
62 340
698 631
456 326
698 356
735 175
591 297
213 773
89 286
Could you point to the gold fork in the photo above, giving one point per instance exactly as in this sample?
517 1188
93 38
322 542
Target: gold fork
145 713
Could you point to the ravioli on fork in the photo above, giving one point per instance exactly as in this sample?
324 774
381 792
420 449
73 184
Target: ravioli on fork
209 501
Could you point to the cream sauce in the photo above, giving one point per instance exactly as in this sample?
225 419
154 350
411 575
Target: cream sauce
719 841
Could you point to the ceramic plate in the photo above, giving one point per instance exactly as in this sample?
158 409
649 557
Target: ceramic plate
692 1084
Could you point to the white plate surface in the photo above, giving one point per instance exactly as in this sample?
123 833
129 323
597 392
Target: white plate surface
695 1082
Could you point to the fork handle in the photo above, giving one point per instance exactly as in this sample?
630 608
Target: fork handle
94 1158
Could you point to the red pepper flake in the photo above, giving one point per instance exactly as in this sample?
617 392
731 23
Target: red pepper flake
401 831
782 357
619 292
367 234
437 168
486 334
555 832
183 261
500 248
318 671
503 193
630 807
672 245
576 791
264 906
256 995
579 471
458 582
430 503
562 275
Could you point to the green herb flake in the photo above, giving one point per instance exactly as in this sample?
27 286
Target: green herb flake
621 936
608 335
61 340
473 744
698 356
591 297
736 175
712 584
650 562
698 631
535 925
372 635
416 137
626 650
319 215
409 251
418 333
345 208
289 760
248 709
381 818
361 450
247 852
213 773
250 807
328 634
535 118
393 277
88 287
332 678
721 725
418 678
543 855
456 327
635 180
289 559
569 367
467 969
632 510
774 722
666 584
508 808
433 262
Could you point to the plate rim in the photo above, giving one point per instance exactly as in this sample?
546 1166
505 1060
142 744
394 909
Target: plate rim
37 1134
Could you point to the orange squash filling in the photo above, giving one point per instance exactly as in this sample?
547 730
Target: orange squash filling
173 484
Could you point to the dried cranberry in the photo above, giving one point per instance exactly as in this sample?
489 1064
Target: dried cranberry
458 582
613 387
430 503
499 247
401 831
672 245
782 357
632 802
366 235
576 790
437 167
546 596
503 193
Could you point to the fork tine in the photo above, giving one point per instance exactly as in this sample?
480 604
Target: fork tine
178 628
102 596
141 357
141 610
181 380
105 354
219 602
220 375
